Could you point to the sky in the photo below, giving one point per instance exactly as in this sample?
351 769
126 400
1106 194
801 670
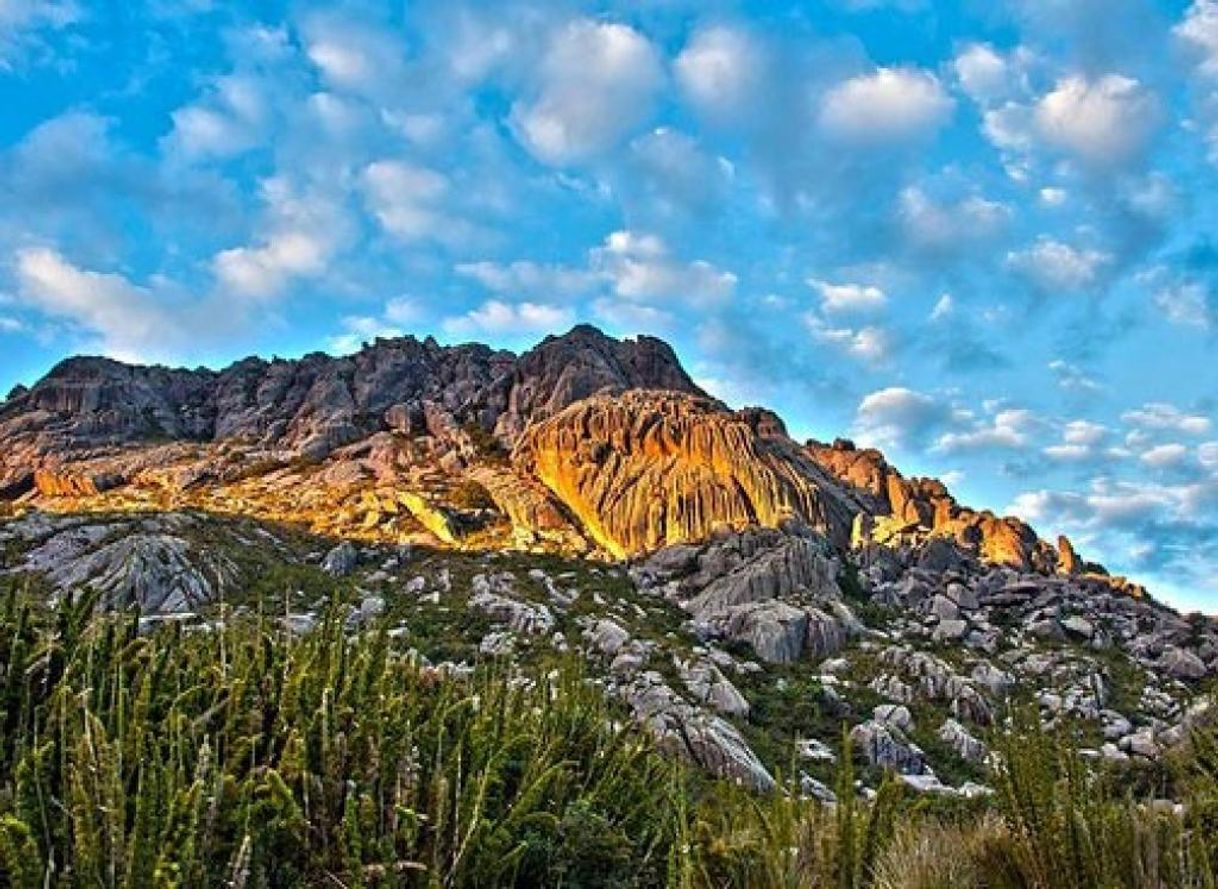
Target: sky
981 235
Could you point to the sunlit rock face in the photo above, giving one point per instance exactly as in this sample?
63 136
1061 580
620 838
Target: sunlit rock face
647 469
910 510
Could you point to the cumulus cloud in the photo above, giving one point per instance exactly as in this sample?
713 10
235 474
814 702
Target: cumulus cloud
944 226
720 71
227 121
848 298
397 314
1162 416
304 230
23 21
891 105
1187 303
1199 31
354 56
640 267
1073 378
871 344
128 322
500 318
673 170
1008 428
598 81
1080 441
899 417
1106 121
408 200
1055 266
1166 455
987 75
531 278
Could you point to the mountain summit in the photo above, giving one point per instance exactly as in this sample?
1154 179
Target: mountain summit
746 551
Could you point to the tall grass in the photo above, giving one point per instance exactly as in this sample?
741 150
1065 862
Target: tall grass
247 757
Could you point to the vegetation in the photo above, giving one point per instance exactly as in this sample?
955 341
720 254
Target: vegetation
244 756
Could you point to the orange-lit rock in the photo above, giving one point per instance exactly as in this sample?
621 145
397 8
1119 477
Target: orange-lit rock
646 469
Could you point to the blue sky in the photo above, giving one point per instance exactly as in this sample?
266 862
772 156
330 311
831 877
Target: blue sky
980 234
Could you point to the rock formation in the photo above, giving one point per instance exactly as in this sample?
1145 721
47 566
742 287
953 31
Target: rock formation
645 469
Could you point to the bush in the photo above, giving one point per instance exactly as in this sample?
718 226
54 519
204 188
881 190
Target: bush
470 495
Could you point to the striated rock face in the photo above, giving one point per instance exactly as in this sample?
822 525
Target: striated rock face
900 510
646 469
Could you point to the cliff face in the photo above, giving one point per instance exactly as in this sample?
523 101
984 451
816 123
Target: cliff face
647 469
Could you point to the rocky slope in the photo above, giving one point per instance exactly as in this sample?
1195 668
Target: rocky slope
767 591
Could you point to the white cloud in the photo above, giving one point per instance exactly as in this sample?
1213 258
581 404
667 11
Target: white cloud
267 269
1084 432
889 105
407 199
1165 456
128 321
1080 438
676 171
987 75
1010 127
304 231
1053 197
1055 266
848 298
631 317
524 277
1009 428
1161 416
641 267
1186 303
1107 121
22 20
1199 31
932 225
720 71
896 416
227 121
413 203
943 308
1073 378
397 314
353 56
598 81
497 317
870 344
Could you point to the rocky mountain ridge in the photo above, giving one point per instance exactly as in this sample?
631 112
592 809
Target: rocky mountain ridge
726 578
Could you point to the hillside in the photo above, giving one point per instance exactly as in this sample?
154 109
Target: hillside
744 594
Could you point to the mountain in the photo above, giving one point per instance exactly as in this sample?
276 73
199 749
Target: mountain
742 592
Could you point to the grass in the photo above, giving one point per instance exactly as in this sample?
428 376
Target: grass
245 756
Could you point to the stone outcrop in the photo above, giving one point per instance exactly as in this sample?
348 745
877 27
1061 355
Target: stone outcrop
774 590
316 404
648 469
158 564
920 511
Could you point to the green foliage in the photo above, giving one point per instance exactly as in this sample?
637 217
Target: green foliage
1069 826
244 756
